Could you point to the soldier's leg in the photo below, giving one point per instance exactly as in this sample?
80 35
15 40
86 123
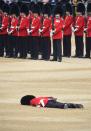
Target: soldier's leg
36 47
88 47
59 50
68 39
55 104
11 45
7 45
1 46
64 46
20 47
24 47
43 50
81 46
16 46
55 50
46 48
76 46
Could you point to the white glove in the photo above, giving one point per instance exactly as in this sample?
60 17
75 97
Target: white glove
51 34
29 31
9 32
40 30
72 29
17 27
85 29
75 30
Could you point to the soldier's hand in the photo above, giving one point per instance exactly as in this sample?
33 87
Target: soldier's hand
51 34
9 32
1 29
17 27
40 30
85 30
29 31
72 29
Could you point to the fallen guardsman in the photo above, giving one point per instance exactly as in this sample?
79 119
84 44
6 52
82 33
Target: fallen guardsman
47 102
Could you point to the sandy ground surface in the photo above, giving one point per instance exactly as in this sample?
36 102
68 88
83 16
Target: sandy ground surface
69 81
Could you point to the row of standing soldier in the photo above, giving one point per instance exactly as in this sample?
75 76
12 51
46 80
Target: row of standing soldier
33 29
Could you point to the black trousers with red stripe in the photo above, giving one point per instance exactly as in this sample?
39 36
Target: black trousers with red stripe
46 48
2 37
57 49
13 46
88 47
22 41
79 51
67 45
4 44
34 47
56 104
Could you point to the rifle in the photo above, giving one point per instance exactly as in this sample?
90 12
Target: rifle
51 35
53 28
9 23
19 20
30 21
42 18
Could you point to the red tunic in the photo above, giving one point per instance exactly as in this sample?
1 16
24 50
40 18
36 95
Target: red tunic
58 26
37 101
46 27
13 28
35 26
68 21
88 26
5 22
30 16
79 25
24 25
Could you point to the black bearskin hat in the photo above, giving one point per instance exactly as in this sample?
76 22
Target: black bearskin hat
1 4
25 100
58 10
24 9
40 4
6 8
31 5
89 7
46 9
81 8
69 8
14 10
36 9
19 4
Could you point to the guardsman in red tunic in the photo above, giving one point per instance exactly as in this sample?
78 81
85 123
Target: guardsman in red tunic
56 32
67 33
88 32
45 33
79 30
23 31
47 102
30 17
12 31
34 32
3 29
